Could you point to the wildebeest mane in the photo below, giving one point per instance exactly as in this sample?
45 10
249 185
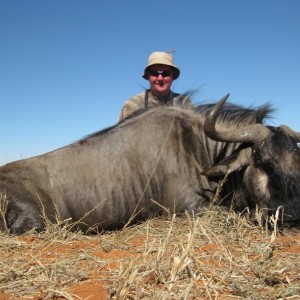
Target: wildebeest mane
102 131
110 128
238 115
229 114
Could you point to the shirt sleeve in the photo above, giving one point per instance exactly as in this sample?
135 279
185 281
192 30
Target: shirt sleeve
131 105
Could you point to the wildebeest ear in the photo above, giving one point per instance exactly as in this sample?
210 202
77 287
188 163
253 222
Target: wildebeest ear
229 164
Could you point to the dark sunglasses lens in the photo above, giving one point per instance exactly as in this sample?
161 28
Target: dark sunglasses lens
166 73
162 73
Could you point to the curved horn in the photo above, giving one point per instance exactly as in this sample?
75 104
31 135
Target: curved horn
290 132
251 133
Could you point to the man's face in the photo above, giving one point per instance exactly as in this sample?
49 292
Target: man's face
161 79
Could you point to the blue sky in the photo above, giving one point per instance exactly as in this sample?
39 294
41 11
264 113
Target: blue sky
67 66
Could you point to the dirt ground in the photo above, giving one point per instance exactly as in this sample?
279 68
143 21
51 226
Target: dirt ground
217 256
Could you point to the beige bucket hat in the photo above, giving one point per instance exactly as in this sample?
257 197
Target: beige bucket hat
161 58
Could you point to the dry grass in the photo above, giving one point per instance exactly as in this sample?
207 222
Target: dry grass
218 255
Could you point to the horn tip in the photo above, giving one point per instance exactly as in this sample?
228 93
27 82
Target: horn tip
226 97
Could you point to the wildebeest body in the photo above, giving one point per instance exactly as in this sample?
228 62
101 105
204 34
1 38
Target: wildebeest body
114 176
152 162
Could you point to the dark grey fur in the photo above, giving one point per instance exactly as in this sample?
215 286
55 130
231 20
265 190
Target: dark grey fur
150 163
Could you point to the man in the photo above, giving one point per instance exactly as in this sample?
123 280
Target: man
160 71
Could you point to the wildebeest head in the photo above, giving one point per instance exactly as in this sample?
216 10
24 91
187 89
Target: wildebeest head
269 161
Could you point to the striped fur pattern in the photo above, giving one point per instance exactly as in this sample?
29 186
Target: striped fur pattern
151 163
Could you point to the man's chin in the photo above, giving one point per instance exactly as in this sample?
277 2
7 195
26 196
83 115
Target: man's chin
161 91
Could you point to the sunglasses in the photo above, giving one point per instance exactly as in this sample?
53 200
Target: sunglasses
156 73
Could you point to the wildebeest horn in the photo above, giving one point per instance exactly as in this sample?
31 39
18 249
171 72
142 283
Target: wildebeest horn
251 133
293 134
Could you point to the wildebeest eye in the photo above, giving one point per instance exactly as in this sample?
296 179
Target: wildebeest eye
257 157
262 161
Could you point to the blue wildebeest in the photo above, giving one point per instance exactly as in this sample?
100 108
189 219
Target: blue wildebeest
166 159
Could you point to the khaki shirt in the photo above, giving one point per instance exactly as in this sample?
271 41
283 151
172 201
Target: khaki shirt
139 101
